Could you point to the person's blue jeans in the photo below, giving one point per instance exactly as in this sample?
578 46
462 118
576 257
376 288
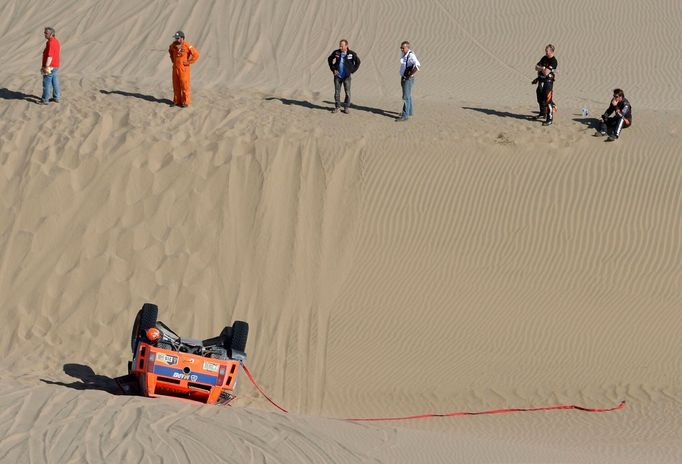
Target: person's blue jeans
51 85
407 84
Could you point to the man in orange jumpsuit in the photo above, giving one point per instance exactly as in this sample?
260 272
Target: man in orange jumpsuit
182 54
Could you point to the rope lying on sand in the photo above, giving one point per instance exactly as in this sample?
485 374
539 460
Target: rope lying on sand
253 381
445 414
490 411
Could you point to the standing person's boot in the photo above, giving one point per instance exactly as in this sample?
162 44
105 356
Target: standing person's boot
550 114
550 119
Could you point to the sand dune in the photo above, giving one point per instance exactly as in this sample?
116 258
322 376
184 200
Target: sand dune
467 260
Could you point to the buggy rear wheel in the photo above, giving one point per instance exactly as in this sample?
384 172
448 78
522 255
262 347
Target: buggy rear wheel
240 332
145 319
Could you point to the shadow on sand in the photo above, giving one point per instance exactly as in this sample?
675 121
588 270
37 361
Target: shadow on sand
500 114
87 380
590 123
141 96
301 103
7 94
368 109
315 106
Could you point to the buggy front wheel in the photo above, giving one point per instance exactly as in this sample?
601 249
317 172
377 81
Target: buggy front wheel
145 319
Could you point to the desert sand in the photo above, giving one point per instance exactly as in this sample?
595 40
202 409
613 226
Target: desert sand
469 259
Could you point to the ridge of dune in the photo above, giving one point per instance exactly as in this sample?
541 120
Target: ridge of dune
482 51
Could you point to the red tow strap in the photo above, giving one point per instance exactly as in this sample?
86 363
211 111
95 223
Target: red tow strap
490 411
445 414
253 381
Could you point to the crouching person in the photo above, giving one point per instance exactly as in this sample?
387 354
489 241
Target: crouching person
617 116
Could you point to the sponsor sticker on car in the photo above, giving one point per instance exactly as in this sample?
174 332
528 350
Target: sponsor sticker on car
167 358
183 376
211 367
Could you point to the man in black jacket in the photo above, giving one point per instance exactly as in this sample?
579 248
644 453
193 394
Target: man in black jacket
343 62
622 116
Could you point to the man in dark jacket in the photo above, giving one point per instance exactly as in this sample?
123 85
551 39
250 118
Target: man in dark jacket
622 116
343 62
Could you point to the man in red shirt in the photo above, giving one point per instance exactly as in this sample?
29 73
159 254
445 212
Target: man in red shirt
50 67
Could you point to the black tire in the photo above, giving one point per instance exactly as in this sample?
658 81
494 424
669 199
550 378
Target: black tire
145 319
240 332
226 336
136 330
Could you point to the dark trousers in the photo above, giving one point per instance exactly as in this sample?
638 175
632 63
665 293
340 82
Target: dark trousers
615 124
544 94
337 91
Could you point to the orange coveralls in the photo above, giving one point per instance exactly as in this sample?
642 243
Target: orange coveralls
182 55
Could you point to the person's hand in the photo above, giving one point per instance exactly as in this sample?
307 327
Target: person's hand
534 81
614 102
336 73
186 63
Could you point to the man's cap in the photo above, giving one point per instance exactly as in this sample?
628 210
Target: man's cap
179 35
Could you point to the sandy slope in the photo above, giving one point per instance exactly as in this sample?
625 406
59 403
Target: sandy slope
470 259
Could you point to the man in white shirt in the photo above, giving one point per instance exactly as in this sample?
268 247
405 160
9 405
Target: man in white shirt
409 65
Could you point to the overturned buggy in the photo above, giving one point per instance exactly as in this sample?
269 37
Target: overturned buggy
165 364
